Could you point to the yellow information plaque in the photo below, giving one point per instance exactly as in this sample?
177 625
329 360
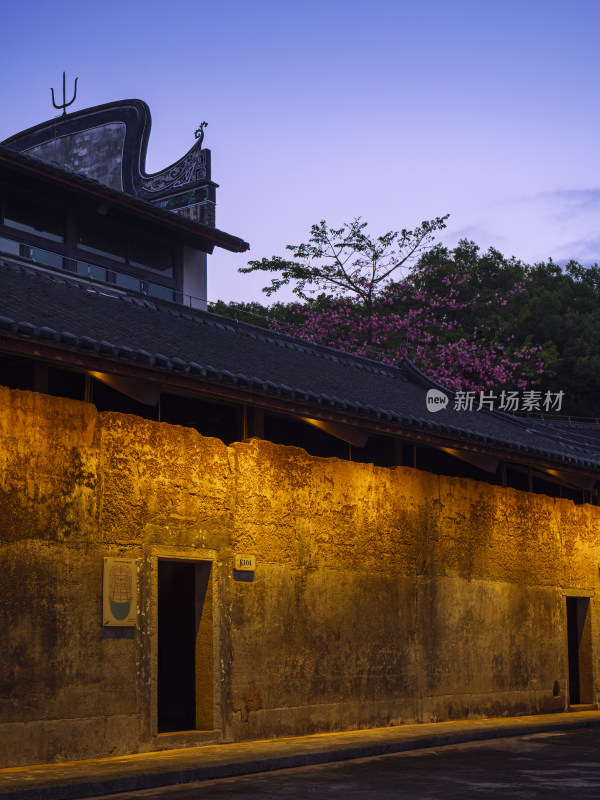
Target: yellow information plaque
119 605
244 563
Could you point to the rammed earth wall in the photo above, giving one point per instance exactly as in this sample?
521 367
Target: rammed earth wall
380 596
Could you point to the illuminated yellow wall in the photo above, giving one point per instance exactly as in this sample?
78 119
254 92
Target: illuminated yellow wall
380 596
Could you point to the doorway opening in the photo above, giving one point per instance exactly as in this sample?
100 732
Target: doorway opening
579 639
185 646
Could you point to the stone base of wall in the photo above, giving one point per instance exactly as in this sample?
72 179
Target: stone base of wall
55 740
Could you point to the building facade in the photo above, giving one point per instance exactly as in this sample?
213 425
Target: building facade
214 532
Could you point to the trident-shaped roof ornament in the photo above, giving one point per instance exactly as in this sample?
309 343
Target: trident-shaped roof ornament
64 105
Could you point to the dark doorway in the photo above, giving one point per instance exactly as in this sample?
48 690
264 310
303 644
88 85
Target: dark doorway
579 637
184 646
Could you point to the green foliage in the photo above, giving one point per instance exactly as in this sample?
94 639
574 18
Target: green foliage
254 313
346 261
558 309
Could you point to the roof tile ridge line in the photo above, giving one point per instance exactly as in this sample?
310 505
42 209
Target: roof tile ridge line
75 281
14 264
425 379
551 433
493 440
18 264
561 439
320 350
38 272
61 277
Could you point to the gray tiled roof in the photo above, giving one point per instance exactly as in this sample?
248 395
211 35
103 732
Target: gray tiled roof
94 318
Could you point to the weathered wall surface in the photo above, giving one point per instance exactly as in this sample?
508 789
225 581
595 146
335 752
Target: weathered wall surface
380 596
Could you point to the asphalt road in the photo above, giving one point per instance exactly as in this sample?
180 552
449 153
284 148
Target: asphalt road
545 765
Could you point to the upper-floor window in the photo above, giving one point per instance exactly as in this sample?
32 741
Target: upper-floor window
151 254
46 231
102 238
96 237
31 215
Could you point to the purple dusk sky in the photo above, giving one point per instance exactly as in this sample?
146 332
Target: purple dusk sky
391 110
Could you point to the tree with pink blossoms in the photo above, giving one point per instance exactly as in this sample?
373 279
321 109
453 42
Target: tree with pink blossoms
360 308
346 262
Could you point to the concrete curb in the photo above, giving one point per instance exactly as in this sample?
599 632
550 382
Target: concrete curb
38 783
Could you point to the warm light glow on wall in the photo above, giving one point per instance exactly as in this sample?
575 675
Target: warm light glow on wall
575 481
479 460
354 436
142 391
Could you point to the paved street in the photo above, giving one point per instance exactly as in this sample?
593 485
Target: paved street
546 765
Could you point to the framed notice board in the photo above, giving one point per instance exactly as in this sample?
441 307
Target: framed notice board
119 606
